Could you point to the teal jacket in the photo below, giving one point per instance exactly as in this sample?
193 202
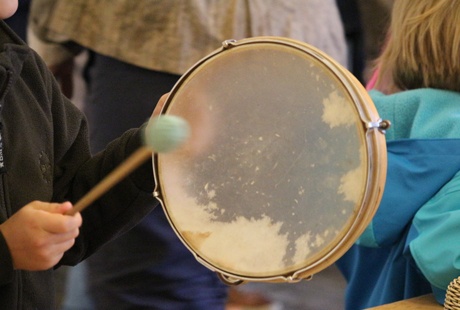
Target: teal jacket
411 246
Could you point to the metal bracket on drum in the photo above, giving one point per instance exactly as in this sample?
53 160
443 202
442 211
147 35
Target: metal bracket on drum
229 280
381 125
235 281
228 43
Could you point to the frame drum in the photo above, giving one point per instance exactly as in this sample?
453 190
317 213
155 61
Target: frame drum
285 166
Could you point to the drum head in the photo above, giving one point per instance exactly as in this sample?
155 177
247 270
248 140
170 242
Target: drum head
285 166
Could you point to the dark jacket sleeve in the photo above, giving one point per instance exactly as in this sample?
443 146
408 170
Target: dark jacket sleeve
122 207
76 172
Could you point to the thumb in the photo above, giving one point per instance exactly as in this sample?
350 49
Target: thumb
60 208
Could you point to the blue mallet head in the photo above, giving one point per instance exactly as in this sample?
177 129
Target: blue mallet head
165 133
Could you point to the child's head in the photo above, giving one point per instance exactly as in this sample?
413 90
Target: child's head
7 8
423 47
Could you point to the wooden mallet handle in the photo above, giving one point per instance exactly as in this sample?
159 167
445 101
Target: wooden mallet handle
131 163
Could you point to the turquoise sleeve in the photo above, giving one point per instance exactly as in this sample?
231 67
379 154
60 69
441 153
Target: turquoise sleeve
436 244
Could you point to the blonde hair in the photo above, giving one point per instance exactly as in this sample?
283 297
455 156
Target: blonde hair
422 48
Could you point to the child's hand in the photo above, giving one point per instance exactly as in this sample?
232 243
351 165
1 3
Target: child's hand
39 234
160 105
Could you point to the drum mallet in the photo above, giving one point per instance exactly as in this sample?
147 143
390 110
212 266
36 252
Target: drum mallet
162 134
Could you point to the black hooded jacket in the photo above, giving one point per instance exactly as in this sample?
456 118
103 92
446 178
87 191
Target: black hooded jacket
44 155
